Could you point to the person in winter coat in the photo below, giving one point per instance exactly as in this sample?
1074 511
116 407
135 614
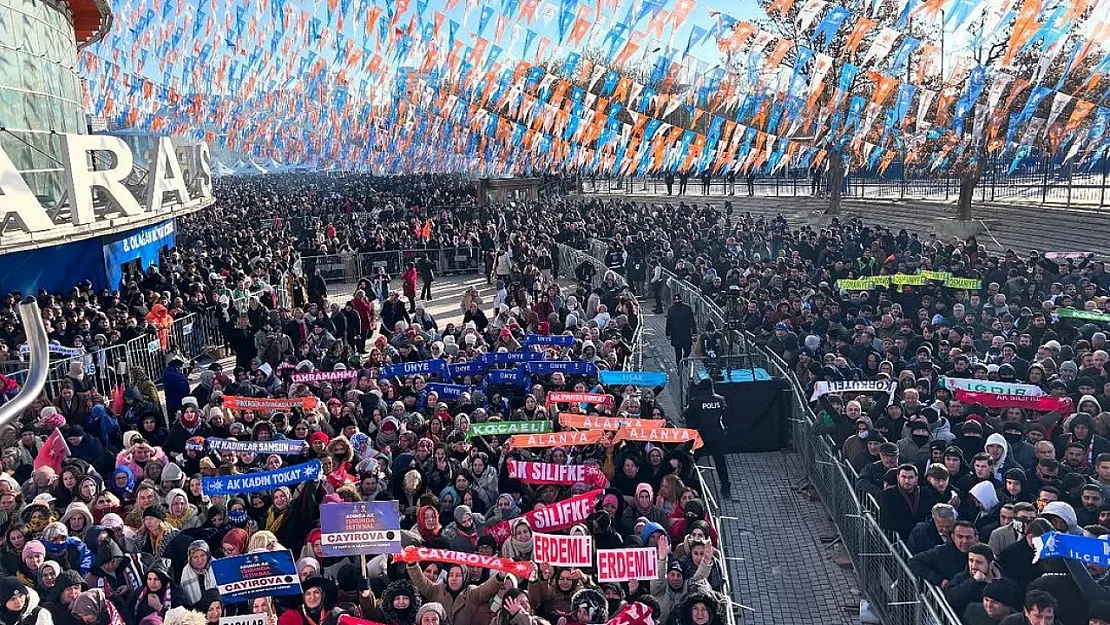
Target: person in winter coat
176 384
399 604
999 451
189 425
197 576
319 596
701 608
550 596
408 284
67 551
157 594
21 604
672 587
458 599
520 543
681 328
66 588
942 563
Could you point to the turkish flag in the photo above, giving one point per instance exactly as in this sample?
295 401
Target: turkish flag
53 452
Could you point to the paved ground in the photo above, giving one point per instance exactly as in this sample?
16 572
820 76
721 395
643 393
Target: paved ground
778 544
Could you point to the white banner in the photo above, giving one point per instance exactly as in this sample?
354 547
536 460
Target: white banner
825 387
621 565
575 551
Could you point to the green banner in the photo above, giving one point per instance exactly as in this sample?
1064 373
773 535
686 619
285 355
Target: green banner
854 285
1087 315
878 280
499 428
908 279
966 284
934 275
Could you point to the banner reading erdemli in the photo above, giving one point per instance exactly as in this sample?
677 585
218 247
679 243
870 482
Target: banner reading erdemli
989 386
350 529
621 565
281 447
501 428
556 550
266 480
824 387
256 574
423 554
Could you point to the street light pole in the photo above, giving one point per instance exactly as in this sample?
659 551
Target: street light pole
943 19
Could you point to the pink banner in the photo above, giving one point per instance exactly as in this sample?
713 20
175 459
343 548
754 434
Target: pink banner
1043 403
560 515
561 474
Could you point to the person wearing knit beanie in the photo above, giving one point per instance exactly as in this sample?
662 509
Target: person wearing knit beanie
435 613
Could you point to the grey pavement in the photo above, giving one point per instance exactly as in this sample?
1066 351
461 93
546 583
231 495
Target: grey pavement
780 546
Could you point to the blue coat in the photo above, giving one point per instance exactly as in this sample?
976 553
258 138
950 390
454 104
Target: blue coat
177 387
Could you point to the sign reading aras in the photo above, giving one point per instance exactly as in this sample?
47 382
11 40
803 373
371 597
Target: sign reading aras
166 183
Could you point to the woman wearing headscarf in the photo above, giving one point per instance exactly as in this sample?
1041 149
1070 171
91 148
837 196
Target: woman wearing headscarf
211 606
520 544
181 514
123 484
48 577
399 605
427 523
92 607
157 594
319 597
197 576
287 517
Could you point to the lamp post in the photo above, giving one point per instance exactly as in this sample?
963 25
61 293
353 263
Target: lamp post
943 19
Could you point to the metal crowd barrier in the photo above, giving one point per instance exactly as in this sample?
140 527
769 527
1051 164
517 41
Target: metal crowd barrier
885 580
349 268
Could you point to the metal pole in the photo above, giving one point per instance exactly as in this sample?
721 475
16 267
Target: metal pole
31 316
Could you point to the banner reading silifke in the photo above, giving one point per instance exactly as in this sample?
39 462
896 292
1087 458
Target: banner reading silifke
505 565
561 474
257 574
621 565
560 515
574 551
370 527
1036 404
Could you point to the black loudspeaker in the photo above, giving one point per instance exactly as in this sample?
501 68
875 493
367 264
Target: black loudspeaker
757 418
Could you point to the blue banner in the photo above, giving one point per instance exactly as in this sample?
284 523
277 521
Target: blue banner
1086 550
463 369
281 447
138 245
267 480
505 376
501 358
366 527
633 378
423 367
562 340
570 367
257 574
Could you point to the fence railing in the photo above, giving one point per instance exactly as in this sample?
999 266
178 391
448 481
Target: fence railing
571 258
350 267
1040 180
189 337
885 580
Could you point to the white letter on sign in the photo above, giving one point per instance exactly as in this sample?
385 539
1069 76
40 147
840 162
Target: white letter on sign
17 199
82 180
165 162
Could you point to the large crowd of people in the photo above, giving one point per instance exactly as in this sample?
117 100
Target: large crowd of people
967 486
119 527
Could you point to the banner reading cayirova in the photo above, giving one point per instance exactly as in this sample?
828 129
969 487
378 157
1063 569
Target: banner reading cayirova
256 574
349 529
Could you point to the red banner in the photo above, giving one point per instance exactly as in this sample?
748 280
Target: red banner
632 614
568 438
661 435
505 565
558 516
1044 403
561 474
350 620
590 422
261 404
576 551
563 397
621 565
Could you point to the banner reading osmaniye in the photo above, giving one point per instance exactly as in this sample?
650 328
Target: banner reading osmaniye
366 527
